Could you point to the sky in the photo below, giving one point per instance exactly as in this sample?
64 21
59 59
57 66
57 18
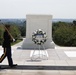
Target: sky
20 8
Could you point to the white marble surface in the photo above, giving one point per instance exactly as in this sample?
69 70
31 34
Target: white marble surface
57 57
35 22
70 53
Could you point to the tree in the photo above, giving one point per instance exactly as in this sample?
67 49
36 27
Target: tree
74 22
1 34
65 35
15 31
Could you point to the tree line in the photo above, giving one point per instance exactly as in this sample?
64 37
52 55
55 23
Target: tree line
64 34
17 31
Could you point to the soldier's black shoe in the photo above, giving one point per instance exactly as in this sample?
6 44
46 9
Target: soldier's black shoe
14 65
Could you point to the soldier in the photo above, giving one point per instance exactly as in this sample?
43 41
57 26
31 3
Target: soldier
7 37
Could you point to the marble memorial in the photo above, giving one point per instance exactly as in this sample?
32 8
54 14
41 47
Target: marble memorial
34 22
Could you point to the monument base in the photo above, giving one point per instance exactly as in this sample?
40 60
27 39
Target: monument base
29 44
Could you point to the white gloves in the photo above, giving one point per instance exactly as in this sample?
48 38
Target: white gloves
13 40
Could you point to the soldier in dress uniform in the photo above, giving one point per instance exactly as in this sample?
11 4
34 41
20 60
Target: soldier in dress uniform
7 39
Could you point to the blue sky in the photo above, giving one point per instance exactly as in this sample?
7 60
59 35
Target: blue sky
20 8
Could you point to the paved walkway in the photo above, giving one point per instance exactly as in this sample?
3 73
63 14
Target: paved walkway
59 62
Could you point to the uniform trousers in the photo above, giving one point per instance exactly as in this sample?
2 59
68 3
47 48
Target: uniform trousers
7 53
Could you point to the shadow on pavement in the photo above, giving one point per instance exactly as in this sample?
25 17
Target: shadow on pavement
35 67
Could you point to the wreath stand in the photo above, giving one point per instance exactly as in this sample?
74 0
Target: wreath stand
41 53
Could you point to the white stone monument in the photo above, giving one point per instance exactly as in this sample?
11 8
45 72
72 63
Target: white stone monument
34 22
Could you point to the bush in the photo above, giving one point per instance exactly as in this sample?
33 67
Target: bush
1 34
14 31
64 34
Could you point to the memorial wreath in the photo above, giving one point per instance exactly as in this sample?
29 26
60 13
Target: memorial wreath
39 37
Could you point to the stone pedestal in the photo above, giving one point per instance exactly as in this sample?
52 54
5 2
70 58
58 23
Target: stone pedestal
34 22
